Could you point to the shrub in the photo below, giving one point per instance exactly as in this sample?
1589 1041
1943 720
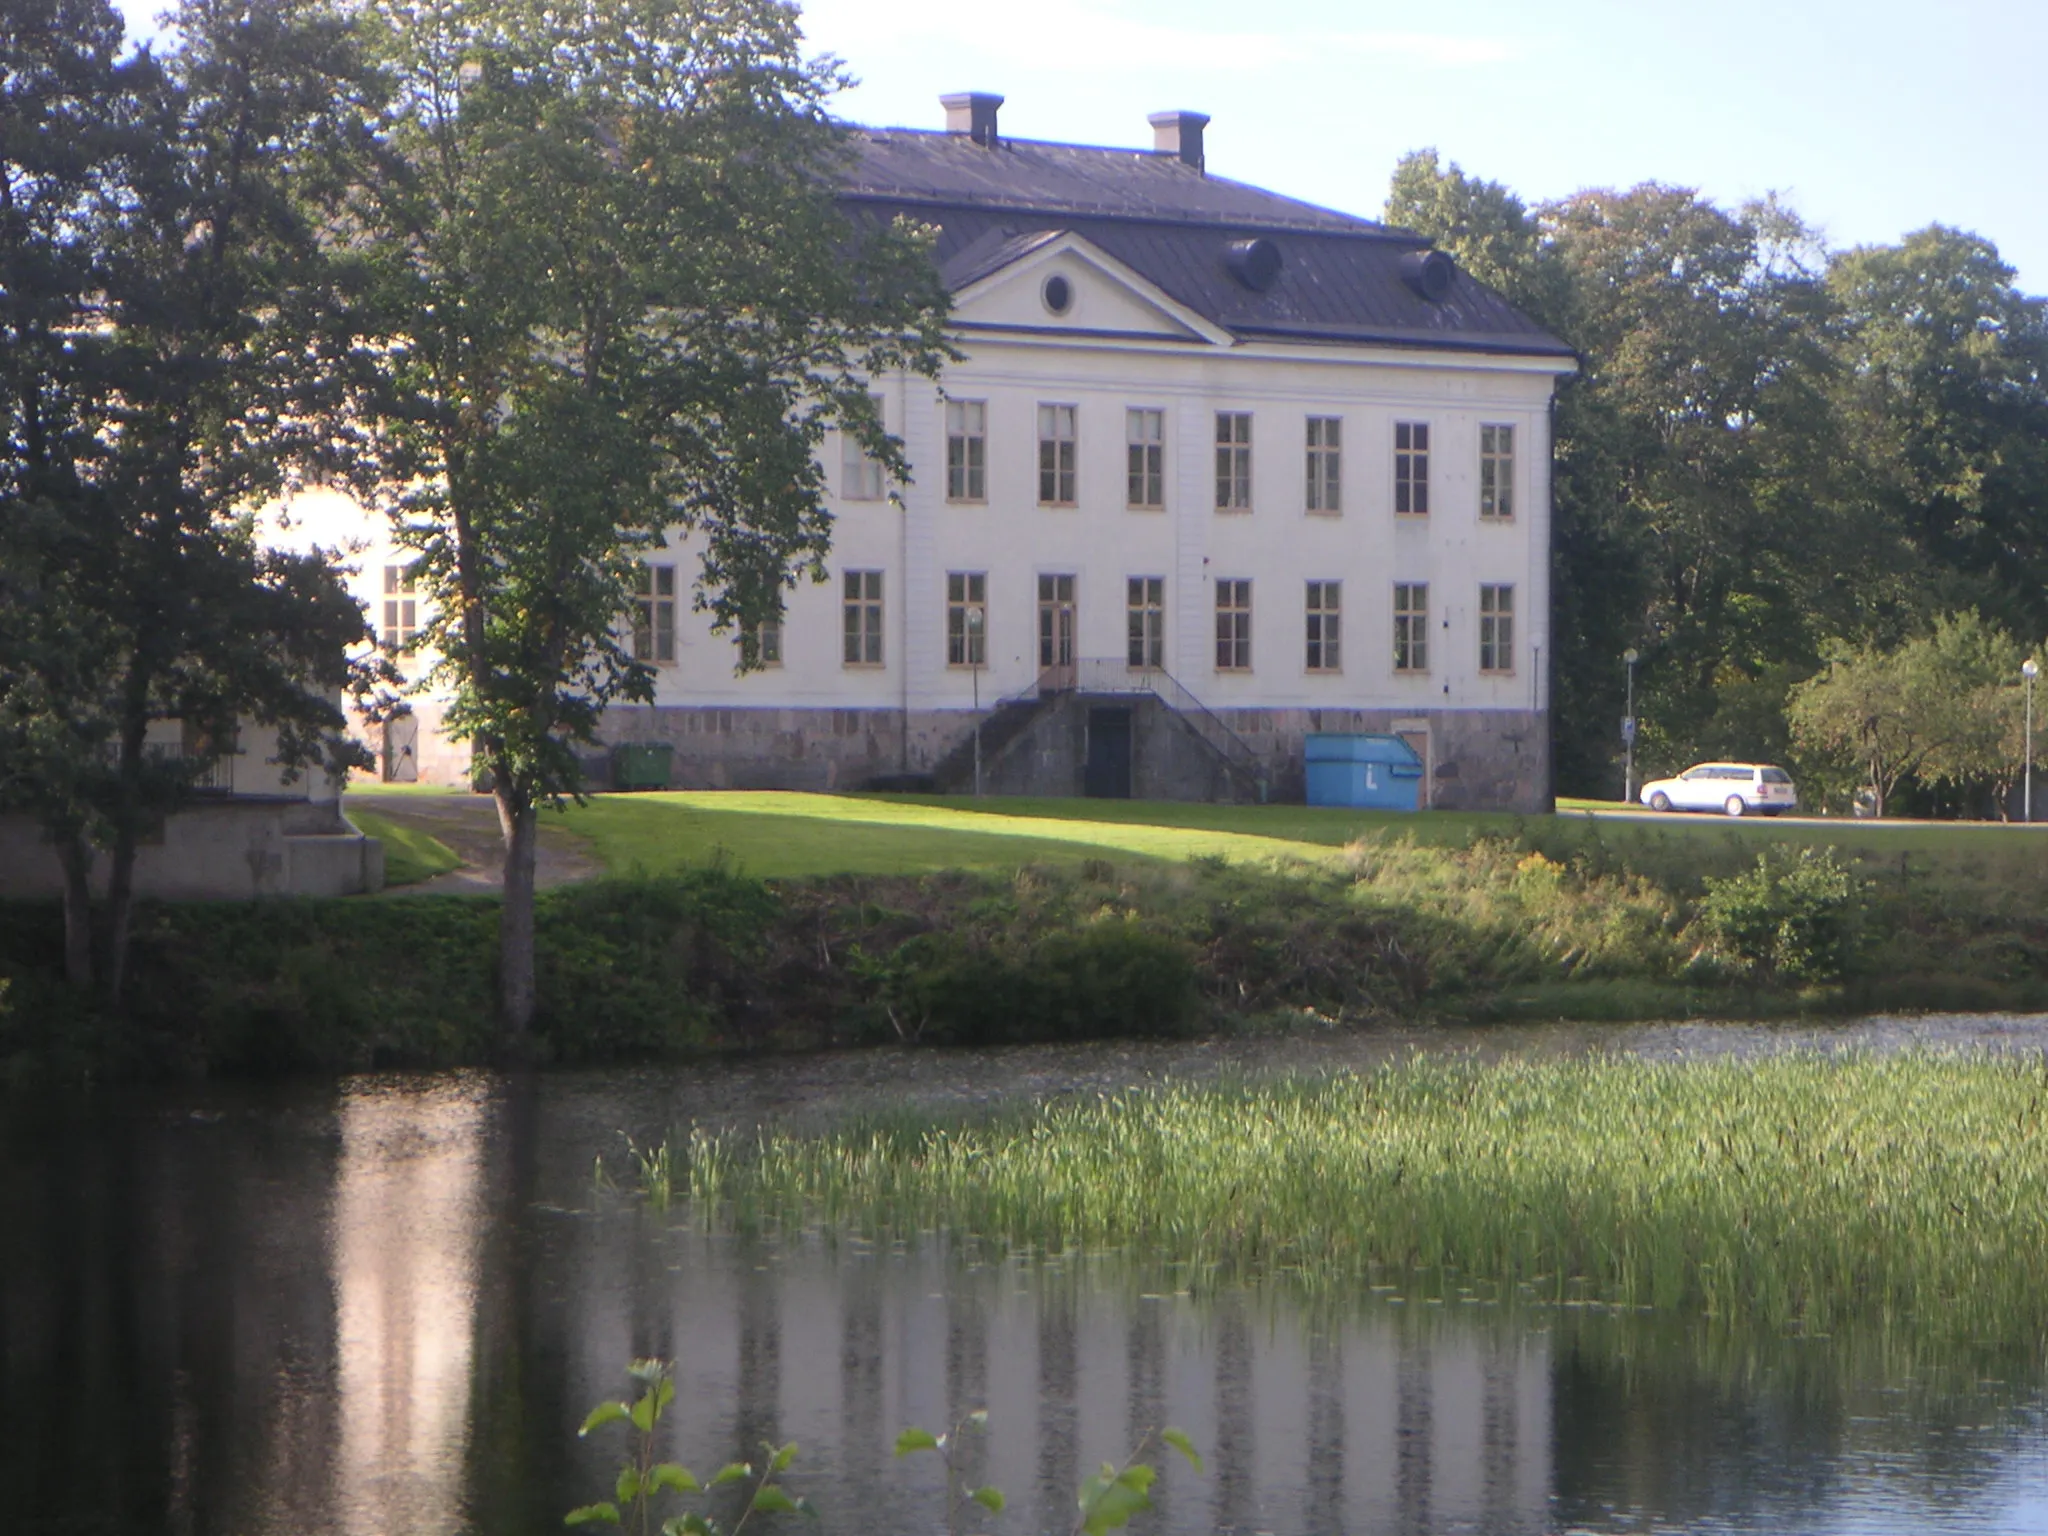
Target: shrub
1794 916
1108 978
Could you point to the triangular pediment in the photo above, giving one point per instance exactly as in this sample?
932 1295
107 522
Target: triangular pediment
1017 290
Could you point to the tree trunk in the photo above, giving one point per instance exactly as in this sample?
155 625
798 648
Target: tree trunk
120 910
74 856
517 821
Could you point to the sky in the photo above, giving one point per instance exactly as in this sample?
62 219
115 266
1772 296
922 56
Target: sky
1871 119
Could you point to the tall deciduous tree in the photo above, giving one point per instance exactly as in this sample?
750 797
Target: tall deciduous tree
618 298
166 363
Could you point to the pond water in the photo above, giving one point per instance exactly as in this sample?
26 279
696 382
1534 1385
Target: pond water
382 1308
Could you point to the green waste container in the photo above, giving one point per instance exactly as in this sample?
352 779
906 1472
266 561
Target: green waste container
641 764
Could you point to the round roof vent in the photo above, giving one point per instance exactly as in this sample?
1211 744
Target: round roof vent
1429 273
1058 294
1255 263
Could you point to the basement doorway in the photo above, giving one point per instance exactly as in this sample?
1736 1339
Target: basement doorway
1108 774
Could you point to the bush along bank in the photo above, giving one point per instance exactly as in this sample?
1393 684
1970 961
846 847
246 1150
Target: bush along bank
712 961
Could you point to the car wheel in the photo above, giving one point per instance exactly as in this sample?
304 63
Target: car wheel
1660 801
1735 806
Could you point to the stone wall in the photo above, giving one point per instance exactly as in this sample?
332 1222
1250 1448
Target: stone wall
1477 759
229 849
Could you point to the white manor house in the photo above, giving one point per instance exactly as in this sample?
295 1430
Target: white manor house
1218 470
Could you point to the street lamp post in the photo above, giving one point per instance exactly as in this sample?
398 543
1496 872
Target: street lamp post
1628 731
2029 669
977 654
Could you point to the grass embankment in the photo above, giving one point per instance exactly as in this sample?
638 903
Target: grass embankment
1907 1191
410 854
772 921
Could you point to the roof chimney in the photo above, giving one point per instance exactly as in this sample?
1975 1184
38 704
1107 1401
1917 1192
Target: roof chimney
974 114
1179 133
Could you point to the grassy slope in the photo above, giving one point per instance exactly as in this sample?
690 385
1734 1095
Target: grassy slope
410 855
775 835
780 835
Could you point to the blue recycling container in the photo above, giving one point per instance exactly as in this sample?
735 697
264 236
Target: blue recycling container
1378 773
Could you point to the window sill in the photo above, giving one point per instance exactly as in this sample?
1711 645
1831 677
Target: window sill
863 666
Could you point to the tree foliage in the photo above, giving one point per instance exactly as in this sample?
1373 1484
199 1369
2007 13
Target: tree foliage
615 296
169 360
1773 454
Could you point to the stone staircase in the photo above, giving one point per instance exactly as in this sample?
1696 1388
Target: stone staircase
1011 718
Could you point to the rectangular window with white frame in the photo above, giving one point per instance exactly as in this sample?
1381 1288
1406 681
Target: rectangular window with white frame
1411 626
1145 439
401 607
1411 468
1145 613
1058 454
967 450
768 643
1496 629
654 615
967 618
1325 468
1233 461
1324 605
1497 473
860 473
1233 625
862 614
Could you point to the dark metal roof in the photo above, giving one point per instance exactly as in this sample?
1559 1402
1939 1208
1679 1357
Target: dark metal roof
1340 278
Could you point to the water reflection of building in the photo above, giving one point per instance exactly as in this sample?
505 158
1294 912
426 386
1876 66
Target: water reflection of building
1371 1420
404 1239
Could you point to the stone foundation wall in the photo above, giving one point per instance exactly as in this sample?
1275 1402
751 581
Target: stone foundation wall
1478 759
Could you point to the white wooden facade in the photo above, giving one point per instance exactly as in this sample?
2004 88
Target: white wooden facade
1304 608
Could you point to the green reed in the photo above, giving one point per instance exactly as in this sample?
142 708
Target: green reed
1793 1190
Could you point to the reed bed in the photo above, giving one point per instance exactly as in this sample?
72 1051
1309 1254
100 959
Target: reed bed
1791 1191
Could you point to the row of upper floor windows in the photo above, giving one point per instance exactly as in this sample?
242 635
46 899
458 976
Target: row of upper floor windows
1058 462
864 622
862 628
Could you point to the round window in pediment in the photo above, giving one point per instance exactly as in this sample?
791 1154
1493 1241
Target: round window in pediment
1058 294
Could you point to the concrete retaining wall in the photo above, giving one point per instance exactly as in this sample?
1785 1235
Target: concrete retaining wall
230 850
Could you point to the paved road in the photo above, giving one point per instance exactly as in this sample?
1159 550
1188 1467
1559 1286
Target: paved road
468 824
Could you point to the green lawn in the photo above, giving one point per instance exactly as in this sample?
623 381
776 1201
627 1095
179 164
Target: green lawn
775 834
410 855
780 834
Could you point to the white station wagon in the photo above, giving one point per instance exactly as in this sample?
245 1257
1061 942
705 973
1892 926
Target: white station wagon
1736 788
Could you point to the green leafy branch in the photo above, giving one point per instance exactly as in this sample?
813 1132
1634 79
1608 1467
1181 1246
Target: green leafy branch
642 1479
1106 1501
948 1449
1112 1496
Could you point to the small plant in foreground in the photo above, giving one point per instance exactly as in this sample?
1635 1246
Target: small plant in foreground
642 1479
947 1448
1106 1501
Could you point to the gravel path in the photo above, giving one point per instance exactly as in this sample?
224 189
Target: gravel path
468 824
